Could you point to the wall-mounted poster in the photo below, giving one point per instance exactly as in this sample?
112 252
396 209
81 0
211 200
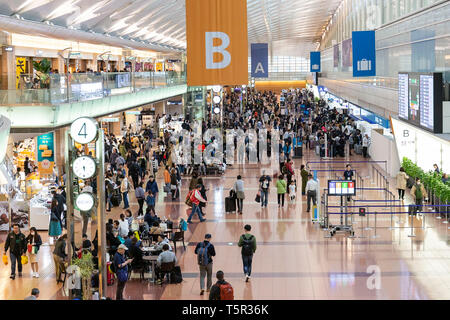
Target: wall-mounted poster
46 153
20 213
347 58
336 56
4 216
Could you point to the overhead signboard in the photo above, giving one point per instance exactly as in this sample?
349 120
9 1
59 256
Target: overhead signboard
217 43
46 153
260 60
364 54
341 188
314 58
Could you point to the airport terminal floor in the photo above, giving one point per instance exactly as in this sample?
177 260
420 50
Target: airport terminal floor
293 259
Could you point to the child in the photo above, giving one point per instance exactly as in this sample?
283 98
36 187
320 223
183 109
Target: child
293 190
151 202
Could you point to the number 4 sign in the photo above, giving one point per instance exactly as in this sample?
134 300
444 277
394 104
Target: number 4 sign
84 130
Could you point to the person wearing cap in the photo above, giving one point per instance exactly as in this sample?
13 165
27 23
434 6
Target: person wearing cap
196 198
34 294
121 266
205 269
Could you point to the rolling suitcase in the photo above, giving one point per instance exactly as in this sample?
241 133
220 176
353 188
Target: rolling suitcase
358 149
317 150
176 276
230 204
116 199
298 152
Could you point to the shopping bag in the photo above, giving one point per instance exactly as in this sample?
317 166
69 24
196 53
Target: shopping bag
5 259
258 197
24 259
29 248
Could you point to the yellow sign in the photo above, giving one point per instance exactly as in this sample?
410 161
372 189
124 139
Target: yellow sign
159 67
20 69
217 43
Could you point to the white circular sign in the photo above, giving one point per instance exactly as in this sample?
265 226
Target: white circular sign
216 110
45 164
85 201
84 130
216 89
217 99
84 167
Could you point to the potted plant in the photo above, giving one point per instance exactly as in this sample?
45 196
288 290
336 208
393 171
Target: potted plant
42 70
86 265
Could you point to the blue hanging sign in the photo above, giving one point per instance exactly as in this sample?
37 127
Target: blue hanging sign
364 54
314 58
260 60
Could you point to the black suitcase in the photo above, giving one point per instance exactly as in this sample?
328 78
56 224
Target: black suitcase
230 204
116 199
298 152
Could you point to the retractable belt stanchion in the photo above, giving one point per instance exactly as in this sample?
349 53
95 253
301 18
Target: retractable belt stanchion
412 235
368 228
375 228
446 215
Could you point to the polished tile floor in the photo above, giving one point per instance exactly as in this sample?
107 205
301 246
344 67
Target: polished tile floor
294 259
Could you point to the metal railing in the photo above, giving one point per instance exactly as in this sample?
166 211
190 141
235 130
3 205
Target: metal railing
77 87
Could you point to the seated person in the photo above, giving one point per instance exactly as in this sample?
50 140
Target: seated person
136 254
113 241
165 256
128 240
149 217
86 243
155 229
162 240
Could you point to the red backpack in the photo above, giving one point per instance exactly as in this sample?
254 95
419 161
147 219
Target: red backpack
226 292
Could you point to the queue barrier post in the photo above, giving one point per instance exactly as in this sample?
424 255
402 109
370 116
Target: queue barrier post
446 215
375 227
368 221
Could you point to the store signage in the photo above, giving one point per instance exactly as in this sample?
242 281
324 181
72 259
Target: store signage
133 112
314 58
20 69
364 54
110 120
46 153
217 43
260 60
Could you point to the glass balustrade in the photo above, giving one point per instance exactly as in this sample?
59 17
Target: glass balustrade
87 86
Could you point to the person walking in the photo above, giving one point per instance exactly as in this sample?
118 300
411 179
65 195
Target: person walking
54 229
196 198
139 192
205 251
304 175
240 195
17 245
152 187
418 193
281 190
311 192
264 183
124 189
247 242
34 242
402 179
59 256
121 266
221 290
167 180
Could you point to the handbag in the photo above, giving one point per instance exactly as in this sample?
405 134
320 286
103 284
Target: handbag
24 259
258 197
29 248
5 259
53 217
122 275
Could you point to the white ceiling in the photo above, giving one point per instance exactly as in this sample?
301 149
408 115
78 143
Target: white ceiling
291 26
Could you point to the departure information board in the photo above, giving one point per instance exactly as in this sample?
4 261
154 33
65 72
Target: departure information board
427 101
341 188
420 99
403 99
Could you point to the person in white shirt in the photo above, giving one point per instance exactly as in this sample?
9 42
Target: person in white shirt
123 226
311 191
365 145
292 190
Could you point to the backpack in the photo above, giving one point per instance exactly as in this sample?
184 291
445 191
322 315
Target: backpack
202 255
418 192
183 225
112 267
176 276
226 292
247 246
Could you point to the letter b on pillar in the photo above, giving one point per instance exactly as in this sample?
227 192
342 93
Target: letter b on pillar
217 44
210 49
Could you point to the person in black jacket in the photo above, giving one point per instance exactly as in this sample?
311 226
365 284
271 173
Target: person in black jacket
59 256
17 245
215 289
